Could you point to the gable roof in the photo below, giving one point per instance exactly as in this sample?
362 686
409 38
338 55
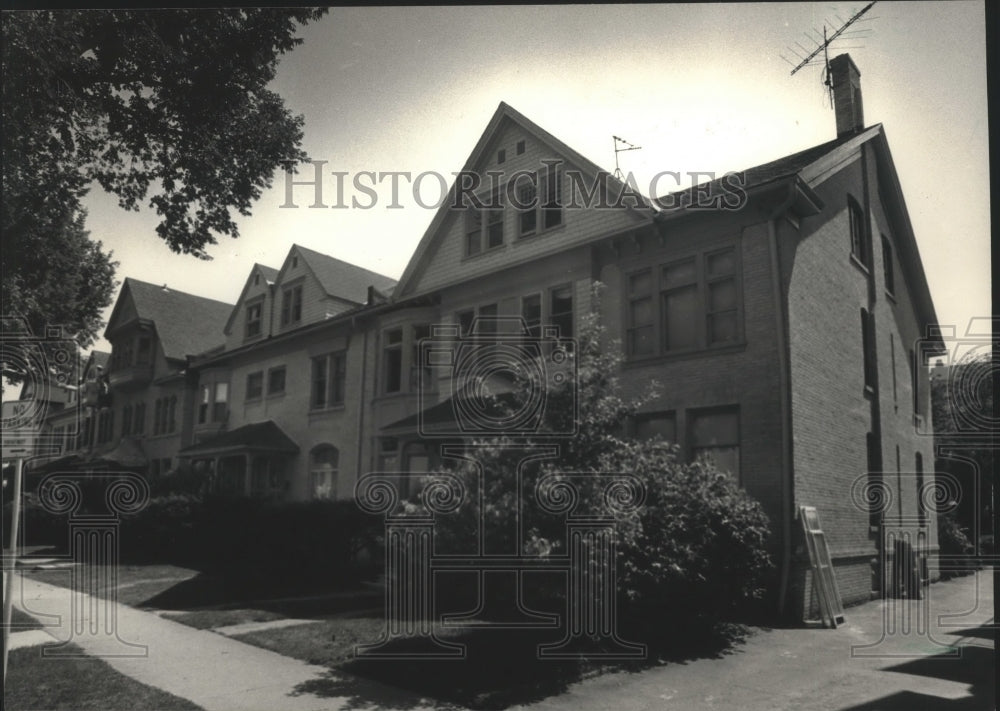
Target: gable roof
264 436
270 275
753 177
341 279
185 324
504 113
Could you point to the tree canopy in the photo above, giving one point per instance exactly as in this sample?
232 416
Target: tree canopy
169 105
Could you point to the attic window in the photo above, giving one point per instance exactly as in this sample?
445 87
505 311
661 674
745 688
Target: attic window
256 279
501 156
520 147
295 262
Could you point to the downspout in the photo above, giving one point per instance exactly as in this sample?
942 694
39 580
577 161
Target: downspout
361 407
783 393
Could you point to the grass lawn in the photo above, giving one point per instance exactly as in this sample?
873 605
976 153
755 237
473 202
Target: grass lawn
329 642
20 621
171 587
78 684
212 619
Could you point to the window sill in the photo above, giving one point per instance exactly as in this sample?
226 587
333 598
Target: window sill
890 296
484 253
869 391
329 410
860 265
540 233
253 400
639 361
275 396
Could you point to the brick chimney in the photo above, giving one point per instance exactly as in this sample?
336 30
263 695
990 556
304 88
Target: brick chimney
846 82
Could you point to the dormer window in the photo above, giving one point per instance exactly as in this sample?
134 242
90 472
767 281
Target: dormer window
143 352
291 305
253 323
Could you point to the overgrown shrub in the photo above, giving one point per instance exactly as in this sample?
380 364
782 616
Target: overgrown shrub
39 527
254 539
694 548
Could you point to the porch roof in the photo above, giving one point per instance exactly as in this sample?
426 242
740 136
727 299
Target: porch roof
257 437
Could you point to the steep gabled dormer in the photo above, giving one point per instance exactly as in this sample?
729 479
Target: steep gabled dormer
153 329
250 319
313 287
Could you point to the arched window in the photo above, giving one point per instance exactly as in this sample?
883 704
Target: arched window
324 461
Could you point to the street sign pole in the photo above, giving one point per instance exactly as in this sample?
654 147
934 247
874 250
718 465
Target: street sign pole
8 597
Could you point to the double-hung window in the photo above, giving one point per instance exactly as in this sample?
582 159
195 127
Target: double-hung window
253 323
329 376
640 314
539 200
561 310
291 305
255 385
484 226
219 404
392 361
276 380
715 435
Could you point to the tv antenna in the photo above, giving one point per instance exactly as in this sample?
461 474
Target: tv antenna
808 57
618 149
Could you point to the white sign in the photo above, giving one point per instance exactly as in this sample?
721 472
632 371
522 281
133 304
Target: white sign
18 442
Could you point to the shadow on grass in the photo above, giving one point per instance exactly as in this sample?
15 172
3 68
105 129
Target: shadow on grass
302 598
501 667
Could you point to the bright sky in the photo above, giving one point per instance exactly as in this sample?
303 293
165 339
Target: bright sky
698 87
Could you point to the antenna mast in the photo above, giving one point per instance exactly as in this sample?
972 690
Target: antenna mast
628 147
824 46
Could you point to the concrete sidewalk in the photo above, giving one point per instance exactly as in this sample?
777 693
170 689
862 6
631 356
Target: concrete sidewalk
212 670
881 659
871 663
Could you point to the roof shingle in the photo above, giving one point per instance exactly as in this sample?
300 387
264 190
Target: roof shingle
185 324
342 279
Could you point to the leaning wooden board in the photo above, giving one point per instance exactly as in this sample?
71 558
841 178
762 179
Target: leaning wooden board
830 605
